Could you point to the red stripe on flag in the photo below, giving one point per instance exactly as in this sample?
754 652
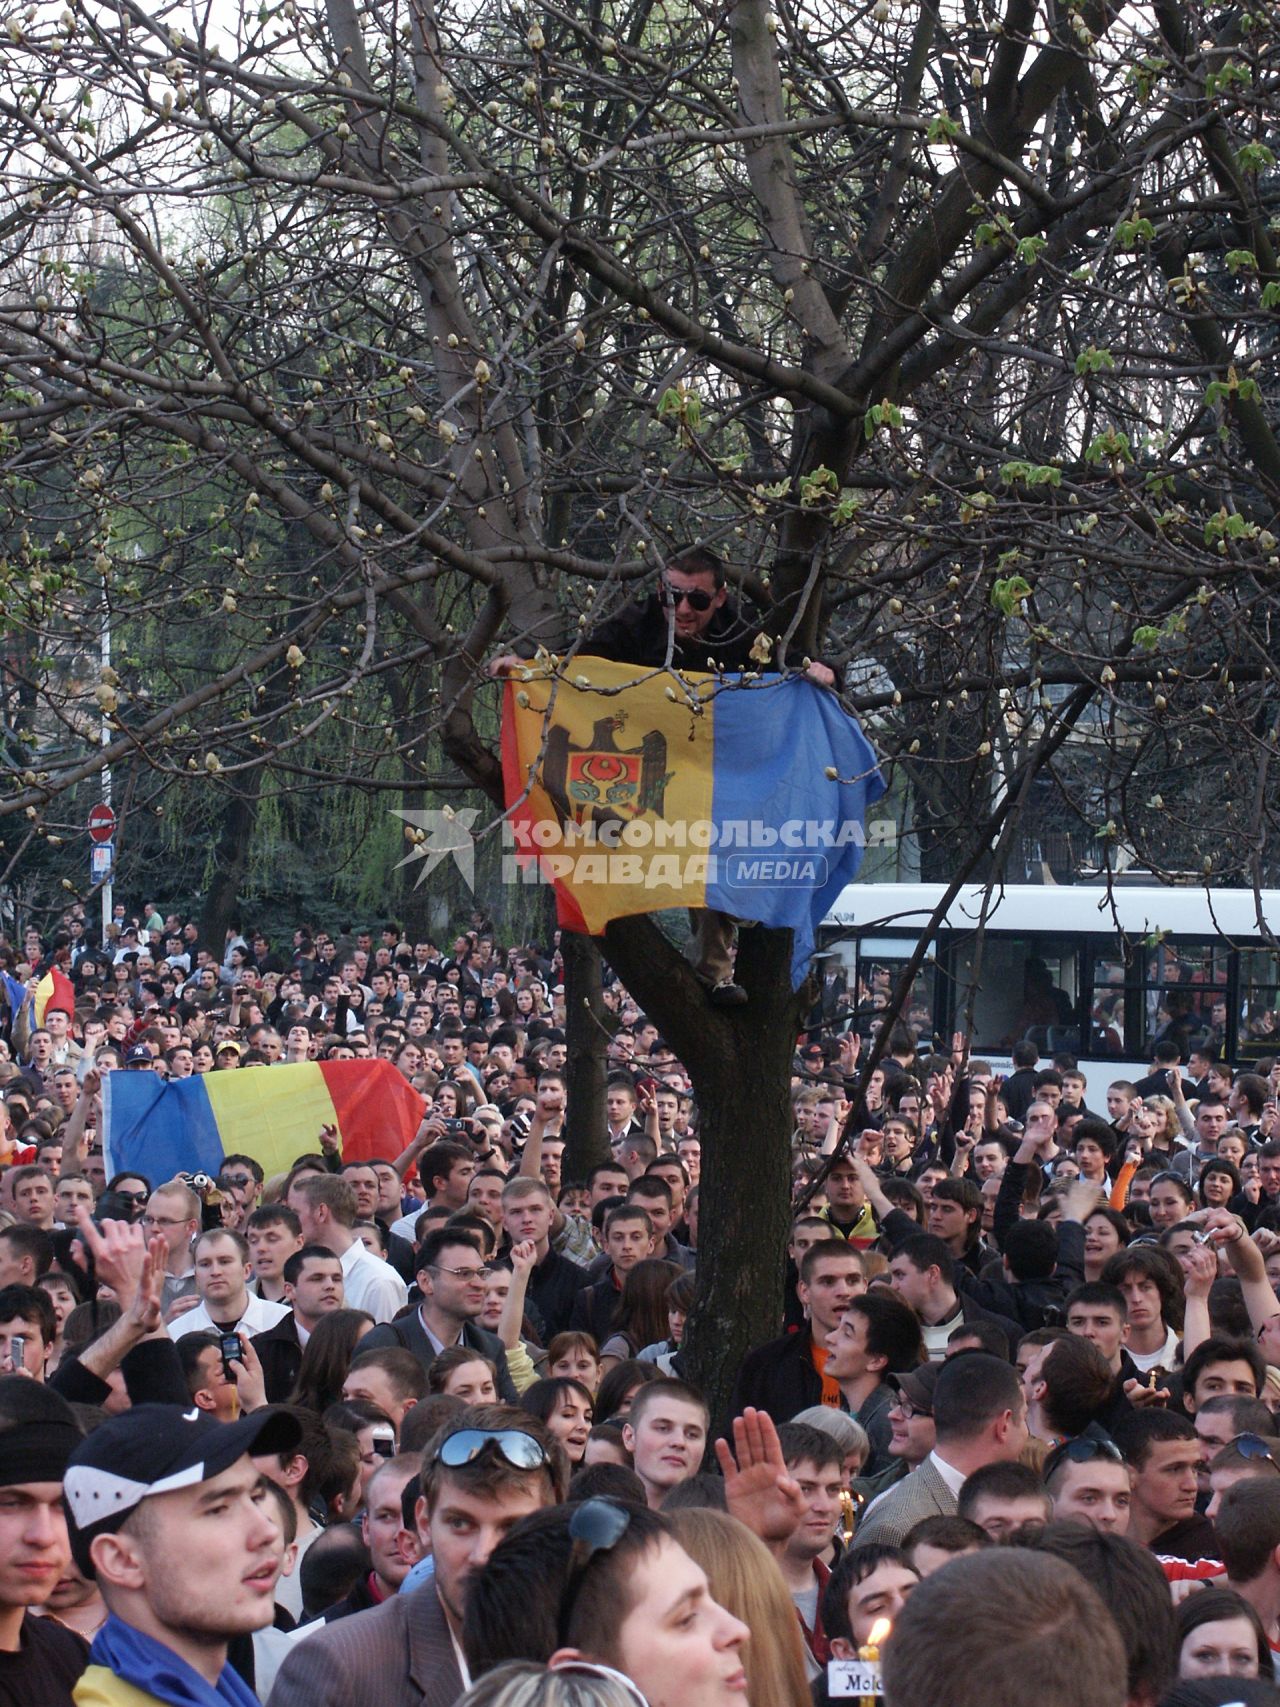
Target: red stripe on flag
55 990
378 1109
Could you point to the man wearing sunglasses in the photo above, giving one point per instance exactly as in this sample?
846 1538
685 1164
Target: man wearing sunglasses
692 621
490 1467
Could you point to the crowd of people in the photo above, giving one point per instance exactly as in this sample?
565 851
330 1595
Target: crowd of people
420 1429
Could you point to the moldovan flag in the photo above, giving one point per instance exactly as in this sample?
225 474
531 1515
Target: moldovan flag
55 990
637 790
161 1128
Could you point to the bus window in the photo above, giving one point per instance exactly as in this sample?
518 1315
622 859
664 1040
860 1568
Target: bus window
878 975
1259 1004
1185 985
1028 988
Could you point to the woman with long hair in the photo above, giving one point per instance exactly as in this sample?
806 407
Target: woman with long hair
1220 1635
641 1315
616 1391
327 1358
567 1409
1106 1232
746 1581
1161 1125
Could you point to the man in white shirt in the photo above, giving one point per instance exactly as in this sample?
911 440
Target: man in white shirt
222 1285
325 1204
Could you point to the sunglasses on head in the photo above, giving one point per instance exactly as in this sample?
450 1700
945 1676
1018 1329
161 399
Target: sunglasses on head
1251 1446
1084 1449
520 1450
596 1526
694 597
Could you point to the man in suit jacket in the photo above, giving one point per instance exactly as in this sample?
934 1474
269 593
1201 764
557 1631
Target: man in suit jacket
451 1275
403 1653
980 1417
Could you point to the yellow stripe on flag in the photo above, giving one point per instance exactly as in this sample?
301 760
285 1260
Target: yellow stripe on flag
598 752
272 1114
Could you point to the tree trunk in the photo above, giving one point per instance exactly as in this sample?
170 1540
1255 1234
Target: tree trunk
222 903
586 1140
740 1062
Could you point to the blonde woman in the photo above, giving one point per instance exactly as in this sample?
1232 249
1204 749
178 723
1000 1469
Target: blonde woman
745 1580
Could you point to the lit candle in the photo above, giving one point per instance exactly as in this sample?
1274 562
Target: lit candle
869 1653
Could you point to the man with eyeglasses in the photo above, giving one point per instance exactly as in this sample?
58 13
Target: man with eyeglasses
451 1274
173 1214
912 1436
490 1467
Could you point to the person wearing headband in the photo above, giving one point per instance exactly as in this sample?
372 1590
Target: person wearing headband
491 1466
40 1660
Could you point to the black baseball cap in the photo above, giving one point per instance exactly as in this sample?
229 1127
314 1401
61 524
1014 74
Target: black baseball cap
1221 1692
917 1385
157 1449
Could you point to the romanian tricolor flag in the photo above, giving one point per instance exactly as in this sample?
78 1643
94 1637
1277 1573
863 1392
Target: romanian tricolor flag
636 790
164 1127
55 990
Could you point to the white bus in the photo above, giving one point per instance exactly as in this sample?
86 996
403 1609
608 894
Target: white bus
1100 973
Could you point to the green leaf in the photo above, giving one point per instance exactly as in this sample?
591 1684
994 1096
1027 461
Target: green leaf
819 486
1255 157
1094 360
1131 232
1008 593
1110 446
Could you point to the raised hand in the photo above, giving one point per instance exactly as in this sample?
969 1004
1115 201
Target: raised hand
759 1490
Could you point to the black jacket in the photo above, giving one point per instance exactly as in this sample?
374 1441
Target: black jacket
639 633
1017 1091
553 1286
152 1376
280 1355
779 1378
1028 1301
408 1331
594 1306
360 1599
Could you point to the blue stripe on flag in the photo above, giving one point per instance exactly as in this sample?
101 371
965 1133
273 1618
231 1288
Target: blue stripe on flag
773 746
158 1129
